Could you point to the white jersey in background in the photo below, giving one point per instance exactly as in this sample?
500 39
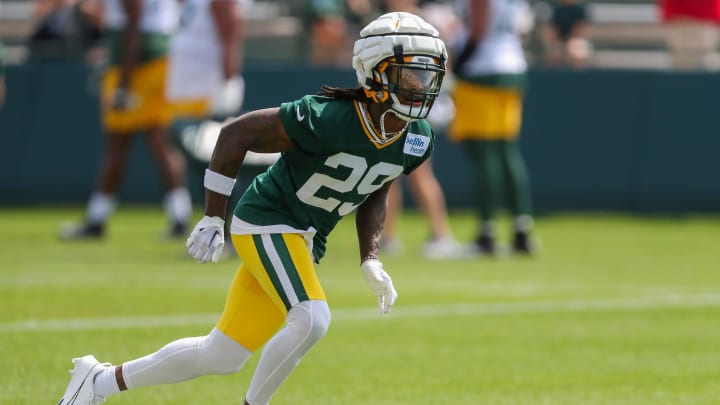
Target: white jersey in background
160 16
501 49
196 64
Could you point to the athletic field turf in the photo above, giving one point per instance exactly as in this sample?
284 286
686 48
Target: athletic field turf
614 310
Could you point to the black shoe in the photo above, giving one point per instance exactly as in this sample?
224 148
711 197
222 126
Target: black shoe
486 245
178 230
85 231
523 243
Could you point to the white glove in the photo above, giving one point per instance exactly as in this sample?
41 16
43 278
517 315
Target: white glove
380 283
207 239
228 97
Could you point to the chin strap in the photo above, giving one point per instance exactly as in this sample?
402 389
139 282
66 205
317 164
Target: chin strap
386 136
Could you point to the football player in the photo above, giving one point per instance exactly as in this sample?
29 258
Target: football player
491 73
134 102
204 82
341 150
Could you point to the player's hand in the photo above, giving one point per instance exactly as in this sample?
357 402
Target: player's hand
123 99
380 283
228 97
206 241
463 56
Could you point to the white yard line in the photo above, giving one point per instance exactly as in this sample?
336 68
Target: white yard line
221 282
401 312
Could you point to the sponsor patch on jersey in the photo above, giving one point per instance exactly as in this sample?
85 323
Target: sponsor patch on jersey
416 145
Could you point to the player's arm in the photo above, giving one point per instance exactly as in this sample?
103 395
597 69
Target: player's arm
369 221
260 131
478 22
228 20
130 40
229 27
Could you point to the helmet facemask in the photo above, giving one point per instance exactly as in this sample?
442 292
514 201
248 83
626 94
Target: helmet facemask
412 85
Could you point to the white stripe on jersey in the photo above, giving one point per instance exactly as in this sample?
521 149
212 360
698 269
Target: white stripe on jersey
280 270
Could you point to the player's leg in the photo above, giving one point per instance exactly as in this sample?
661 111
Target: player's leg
167 155
519 196
248 310
485 159
103 201
112 170
119 129
478 122
171 163
515 173
283 265
431 199
181 360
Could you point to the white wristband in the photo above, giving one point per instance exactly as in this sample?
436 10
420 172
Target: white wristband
218 183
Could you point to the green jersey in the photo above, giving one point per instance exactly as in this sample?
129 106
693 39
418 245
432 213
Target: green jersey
335 165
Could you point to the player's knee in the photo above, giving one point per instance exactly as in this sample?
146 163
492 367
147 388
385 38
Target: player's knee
321 319
311 319
222 355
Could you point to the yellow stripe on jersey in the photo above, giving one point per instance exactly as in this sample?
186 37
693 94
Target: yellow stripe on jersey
369 128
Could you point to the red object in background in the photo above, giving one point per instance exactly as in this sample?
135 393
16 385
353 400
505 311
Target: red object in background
708 10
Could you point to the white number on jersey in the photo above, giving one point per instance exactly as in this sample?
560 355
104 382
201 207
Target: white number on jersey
362 179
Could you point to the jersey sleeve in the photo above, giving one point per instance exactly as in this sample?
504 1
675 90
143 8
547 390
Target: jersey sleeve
417 161
303 123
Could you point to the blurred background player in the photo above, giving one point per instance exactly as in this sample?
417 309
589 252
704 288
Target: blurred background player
330 27
134 102
204 75
490 70
64 29
564 35
422 183
429 196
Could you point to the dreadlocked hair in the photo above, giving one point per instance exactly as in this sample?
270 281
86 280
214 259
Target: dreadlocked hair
339 93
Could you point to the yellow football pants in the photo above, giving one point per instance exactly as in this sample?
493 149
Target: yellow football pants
276 273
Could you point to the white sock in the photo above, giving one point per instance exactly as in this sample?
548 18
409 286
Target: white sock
488 228
524 223
178 205
307 322
100 207
105 383
186 359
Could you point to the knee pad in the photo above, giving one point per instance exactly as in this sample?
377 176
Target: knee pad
310 319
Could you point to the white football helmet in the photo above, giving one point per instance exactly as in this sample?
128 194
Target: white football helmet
400 60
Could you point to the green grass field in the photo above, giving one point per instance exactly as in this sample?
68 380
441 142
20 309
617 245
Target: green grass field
614 310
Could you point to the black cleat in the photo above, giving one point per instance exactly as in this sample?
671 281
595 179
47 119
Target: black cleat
523 243
85 231
485 245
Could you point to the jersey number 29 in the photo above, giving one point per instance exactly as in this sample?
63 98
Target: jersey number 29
362 180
